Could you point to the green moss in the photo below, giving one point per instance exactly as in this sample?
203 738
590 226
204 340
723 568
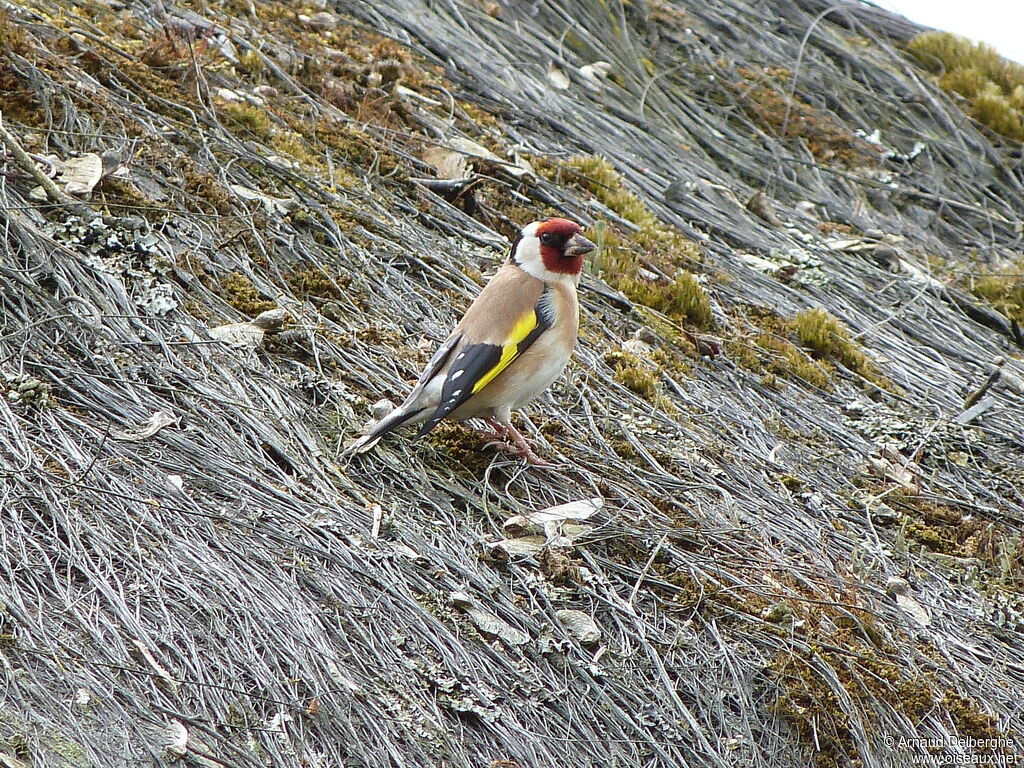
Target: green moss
992 108
248 117
970 718
123 197
682 297
12 36
638 376
573 41
292 144
766 97
691 593
465 445
597 176
1003 289
792 483
608 186
967 82
317 283
823 333
944 529
250 63
772 353
993 86
238 291
673 362
18 101
785 359
943 51
625 450
863 663
350 143
207 188
928 537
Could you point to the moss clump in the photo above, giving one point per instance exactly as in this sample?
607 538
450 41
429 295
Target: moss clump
823 333
993 86
994 109
120 194
250 63
792 483
683 297
18 101
943 529
463 444
671 361
1003 289
248 116
290 143
930 538
238 291
764 96
971 720
207 188
785 359
597 176
637 376
771 352
865 668
608 186
317 283
625 450
692 594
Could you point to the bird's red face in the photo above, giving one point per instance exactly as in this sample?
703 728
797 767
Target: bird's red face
552 247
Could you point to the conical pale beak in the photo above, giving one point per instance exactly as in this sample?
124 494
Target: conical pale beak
578 245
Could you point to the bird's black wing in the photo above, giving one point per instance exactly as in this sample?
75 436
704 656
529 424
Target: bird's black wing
476 365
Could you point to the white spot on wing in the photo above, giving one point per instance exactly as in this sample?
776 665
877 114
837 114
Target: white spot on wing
457 373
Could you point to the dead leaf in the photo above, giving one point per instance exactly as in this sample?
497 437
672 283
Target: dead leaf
557 77
81 174
579 625
238 334
488 623
448 163
78 175
175 740
596 75
573 510
273 205
899 589
520 546
147 429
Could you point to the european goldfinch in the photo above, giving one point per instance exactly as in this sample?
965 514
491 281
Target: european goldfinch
512 343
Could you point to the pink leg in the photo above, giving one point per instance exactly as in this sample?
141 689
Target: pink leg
499 433
512 442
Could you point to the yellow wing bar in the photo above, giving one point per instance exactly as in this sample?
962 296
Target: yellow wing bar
510 350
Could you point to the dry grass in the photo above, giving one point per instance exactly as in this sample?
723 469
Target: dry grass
227 576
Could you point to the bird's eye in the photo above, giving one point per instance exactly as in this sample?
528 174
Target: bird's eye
545 238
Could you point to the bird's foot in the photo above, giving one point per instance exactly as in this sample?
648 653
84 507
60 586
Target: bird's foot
508 439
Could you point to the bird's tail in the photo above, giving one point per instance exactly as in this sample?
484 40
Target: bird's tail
396 418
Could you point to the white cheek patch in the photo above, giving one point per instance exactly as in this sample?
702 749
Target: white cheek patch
528 257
